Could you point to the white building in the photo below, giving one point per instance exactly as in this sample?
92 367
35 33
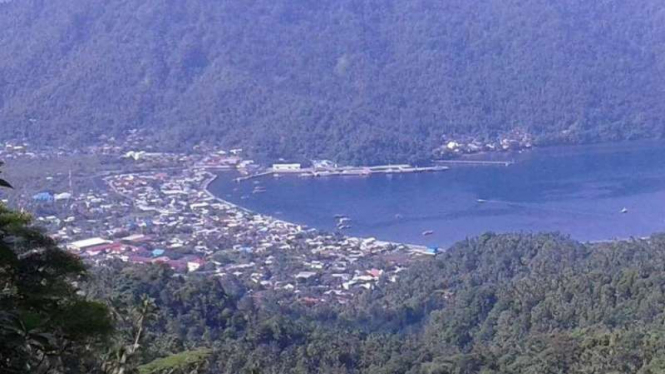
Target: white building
88 243
193 266
286 167
63 196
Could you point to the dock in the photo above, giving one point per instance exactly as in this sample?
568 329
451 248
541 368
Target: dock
475 162
371 170
253 176
348 171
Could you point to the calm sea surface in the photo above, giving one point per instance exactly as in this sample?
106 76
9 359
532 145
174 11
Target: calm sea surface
579 191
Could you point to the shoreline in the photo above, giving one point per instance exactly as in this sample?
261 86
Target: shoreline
551 154
412 247
206 187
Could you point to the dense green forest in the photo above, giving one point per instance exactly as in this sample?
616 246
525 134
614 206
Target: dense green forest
510 303
494 304
359 81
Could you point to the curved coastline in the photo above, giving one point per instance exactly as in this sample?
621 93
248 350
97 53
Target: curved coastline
549 190
215 176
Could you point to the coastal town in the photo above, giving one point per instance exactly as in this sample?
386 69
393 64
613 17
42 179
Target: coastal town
155 208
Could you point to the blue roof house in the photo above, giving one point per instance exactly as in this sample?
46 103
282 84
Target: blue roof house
157 252
43 197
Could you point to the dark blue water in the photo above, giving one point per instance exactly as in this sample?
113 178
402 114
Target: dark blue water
579 191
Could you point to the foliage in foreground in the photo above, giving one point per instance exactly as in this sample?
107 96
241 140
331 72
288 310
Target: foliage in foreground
45 325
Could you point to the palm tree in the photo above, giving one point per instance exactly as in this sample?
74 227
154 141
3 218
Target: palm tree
136 318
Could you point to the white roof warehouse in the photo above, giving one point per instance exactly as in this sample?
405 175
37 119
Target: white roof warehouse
87 243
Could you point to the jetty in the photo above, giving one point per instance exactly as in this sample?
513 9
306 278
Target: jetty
475 162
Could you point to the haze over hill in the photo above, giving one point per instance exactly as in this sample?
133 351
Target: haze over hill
357 81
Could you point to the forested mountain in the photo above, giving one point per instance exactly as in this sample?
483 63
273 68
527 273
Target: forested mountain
355 80
493 304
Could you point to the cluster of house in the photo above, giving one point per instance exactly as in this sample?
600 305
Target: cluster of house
170 218
131 249
13 150
514 141
10 150
167 216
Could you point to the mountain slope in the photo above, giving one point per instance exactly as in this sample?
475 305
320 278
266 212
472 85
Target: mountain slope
361 81
495 304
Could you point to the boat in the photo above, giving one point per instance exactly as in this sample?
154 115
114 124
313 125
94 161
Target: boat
481 201
428 233
344 220
259 189
624 210
343 227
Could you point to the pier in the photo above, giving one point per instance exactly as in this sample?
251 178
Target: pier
254 176
475 162
349 171
370 170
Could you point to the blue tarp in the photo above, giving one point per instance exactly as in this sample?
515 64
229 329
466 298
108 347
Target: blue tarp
43 197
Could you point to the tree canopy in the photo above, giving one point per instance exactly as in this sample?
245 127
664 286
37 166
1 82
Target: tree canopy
45 325
513 303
